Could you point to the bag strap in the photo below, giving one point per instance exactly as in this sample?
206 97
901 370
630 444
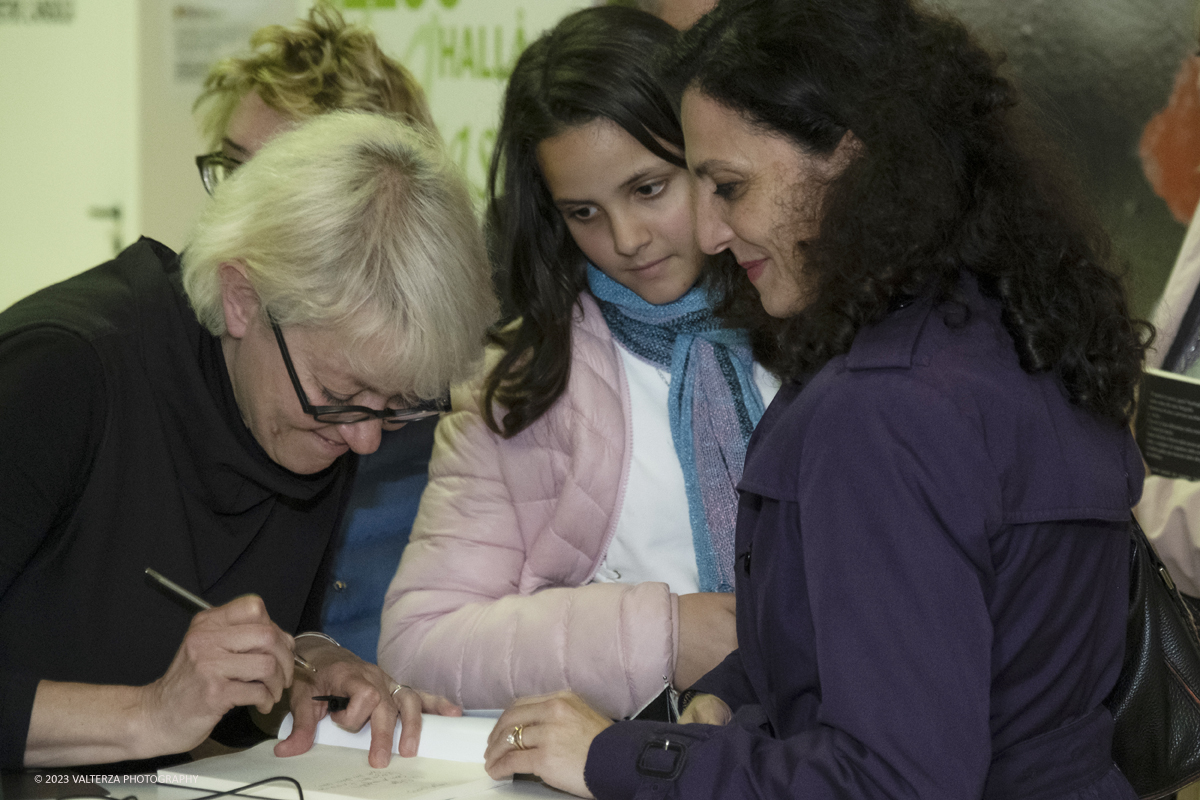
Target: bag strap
1160 568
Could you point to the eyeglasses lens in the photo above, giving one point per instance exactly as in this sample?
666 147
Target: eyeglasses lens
214 173
400 415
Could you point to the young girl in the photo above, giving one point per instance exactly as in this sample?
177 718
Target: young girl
577 532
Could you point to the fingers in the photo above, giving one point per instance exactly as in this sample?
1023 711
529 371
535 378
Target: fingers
365 698
523 711
305 716
242 626
247 609
409 703
371 699
548 737
436 704
374 697
383 727
227 694
232 655
511 762
706 709
245 652
510 746
241 638
528 712
503 759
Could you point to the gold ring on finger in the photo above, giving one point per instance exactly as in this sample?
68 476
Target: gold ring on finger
398 687
514 738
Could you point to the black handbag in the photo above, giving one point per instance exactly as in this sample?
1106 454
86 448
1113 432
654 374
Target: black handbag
1156 702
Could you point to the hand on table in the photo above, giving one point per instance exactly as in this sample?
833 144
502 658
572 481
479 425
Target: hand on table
232 655
556 732
374 697
707 633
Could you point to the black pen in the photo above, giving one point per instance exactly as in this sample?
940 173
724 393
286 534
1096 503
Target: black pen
200 604
336 702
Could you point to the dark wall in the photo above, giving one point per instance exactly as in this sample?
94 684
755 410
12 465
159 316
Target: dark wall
1098 70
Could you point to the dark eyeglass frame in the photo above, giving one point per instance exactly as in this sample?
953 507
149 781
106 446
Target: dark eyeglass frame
343 415
208 162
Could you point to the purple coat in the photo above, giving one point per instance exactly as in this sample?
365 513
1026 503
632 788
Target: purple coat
932 587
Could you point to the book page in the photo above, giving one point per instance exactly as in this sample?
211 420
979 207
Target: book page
450 738
1168 424
327 773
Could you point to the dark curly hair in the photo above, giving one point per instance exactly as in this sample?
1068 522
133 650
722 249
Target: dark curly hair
597 63
951 176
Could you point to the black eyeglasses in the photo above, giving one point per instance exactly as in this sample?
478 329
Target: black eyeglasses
214 168
341 415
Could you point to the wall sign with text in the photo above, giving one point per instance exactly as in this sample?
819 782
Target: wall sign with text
462 52
37 12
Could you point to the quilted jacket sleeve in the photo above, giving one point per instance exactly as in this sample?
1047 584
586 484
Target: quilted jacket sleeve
492 599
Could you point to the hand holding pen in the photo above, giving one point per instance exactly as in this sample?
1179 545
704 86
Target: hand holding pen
197 603
232 655
348 686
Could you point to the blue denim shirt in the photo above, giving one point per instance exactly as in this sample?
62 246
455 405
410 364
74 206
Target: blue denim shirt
375 529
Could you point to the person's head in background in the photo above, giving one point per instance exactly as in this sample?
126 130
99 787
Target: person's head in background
342 267
588 167
680 14
319 64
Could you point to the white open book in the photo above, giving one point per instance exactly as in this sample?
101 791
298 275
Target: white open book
449 765
451 738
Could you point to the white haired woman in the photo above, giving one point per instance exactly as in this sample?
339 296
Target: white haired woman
203 416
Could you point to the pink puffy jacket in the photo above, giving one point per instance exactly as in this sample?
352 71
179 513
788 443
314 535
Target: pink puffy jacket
492 599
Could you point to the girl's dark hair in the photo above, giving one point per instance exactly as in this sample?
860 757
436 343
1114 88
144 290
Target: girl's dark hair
597 63
948 176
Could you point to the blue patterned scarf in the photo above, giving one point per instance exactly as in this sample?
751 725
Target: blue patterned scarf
714 405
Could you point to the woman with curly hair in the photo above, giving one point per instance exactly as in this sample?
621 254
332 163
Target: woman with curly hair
577 530
933 532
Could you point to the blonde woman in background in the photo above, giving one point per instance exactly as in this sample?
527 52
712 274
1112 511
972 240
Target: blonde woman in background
318 65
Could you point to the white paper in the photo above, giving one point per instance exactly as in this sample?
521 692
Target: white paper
451 738
327 772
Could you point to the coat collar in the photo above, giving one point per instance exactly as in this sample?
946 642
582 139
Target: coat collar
891 342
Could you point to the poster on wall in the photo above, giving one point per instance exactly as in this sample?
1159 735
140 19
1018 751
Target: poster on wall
205 31
461 52
37 12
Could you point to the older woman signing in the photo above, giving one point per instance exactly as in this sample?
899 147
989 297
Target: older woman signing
202 416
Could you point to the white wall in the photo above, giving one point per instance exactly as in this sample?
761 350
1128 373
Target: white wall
169 189
462 52
68 141
95 108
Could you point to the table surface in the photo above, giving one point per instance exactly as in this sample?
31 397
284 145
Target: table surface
516 789
78 783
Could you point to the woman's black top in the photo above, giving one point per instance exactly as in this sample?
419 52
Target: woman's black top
123 448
